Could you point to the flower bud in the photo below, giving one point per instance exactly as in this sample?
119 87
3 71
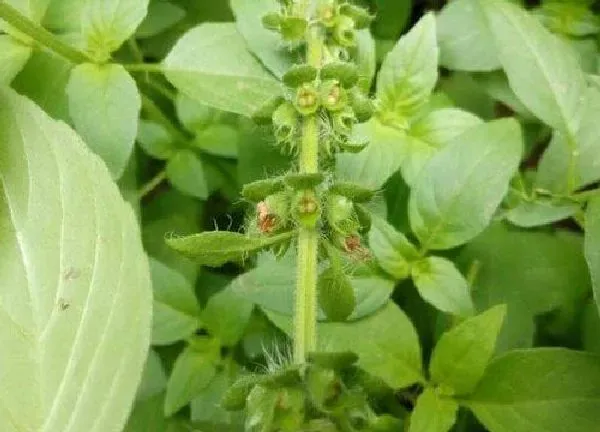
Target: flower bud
285 121
333 96
299 74
307 208
344 121
362 105
293 28
341 216
327 13
344 32
307 99
346 73
304 181
362 18
272 21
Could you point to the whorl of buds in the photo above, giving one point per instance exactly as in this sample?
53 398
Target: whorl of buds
306 208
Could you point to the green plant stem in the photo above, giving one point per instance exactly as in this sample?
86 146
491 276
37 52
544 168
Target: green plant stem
305 313
144 67
152 184
40 35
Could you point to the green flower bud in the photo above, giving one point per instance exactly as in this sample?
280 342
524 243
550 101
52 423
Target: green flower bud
341 216
362 105
304 181
260 189
352 191
362 18
327 13
307 208
293 28
343 121
273 213
307 99
285 121
272 21
344 32
264 115
346 73
299 74
352 146
324 387
333 96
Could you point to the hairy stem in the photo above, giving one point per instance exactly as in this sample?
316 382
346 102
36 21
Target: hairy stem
305 314
40 35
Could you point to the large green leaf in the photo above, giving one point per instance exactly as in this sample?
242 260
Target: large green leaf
457 193
76 299
592 244
105 104
547 389
226 316
466 42
462 353
574 162
13 56
265 44
542 70
433 413
231 80
386 342
106 24
409 72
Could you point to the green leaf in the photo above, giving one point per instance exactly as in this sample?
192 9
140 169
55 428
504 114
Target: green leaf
336 294
433 413
154 379
429 134
148 416
272 283
264 43
215 248
409 72
76 296
176 309
49 93
106 24
382 157
457 193
463 352
231 80
571 163
193 115
592 244
441 284
542 70
392 16
569 18
192 372
529 214
465 40
365 59
13 56
186 171
161 16
155 140
226 316
386 343
104 104
549 389
207 406
219 140
393 251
